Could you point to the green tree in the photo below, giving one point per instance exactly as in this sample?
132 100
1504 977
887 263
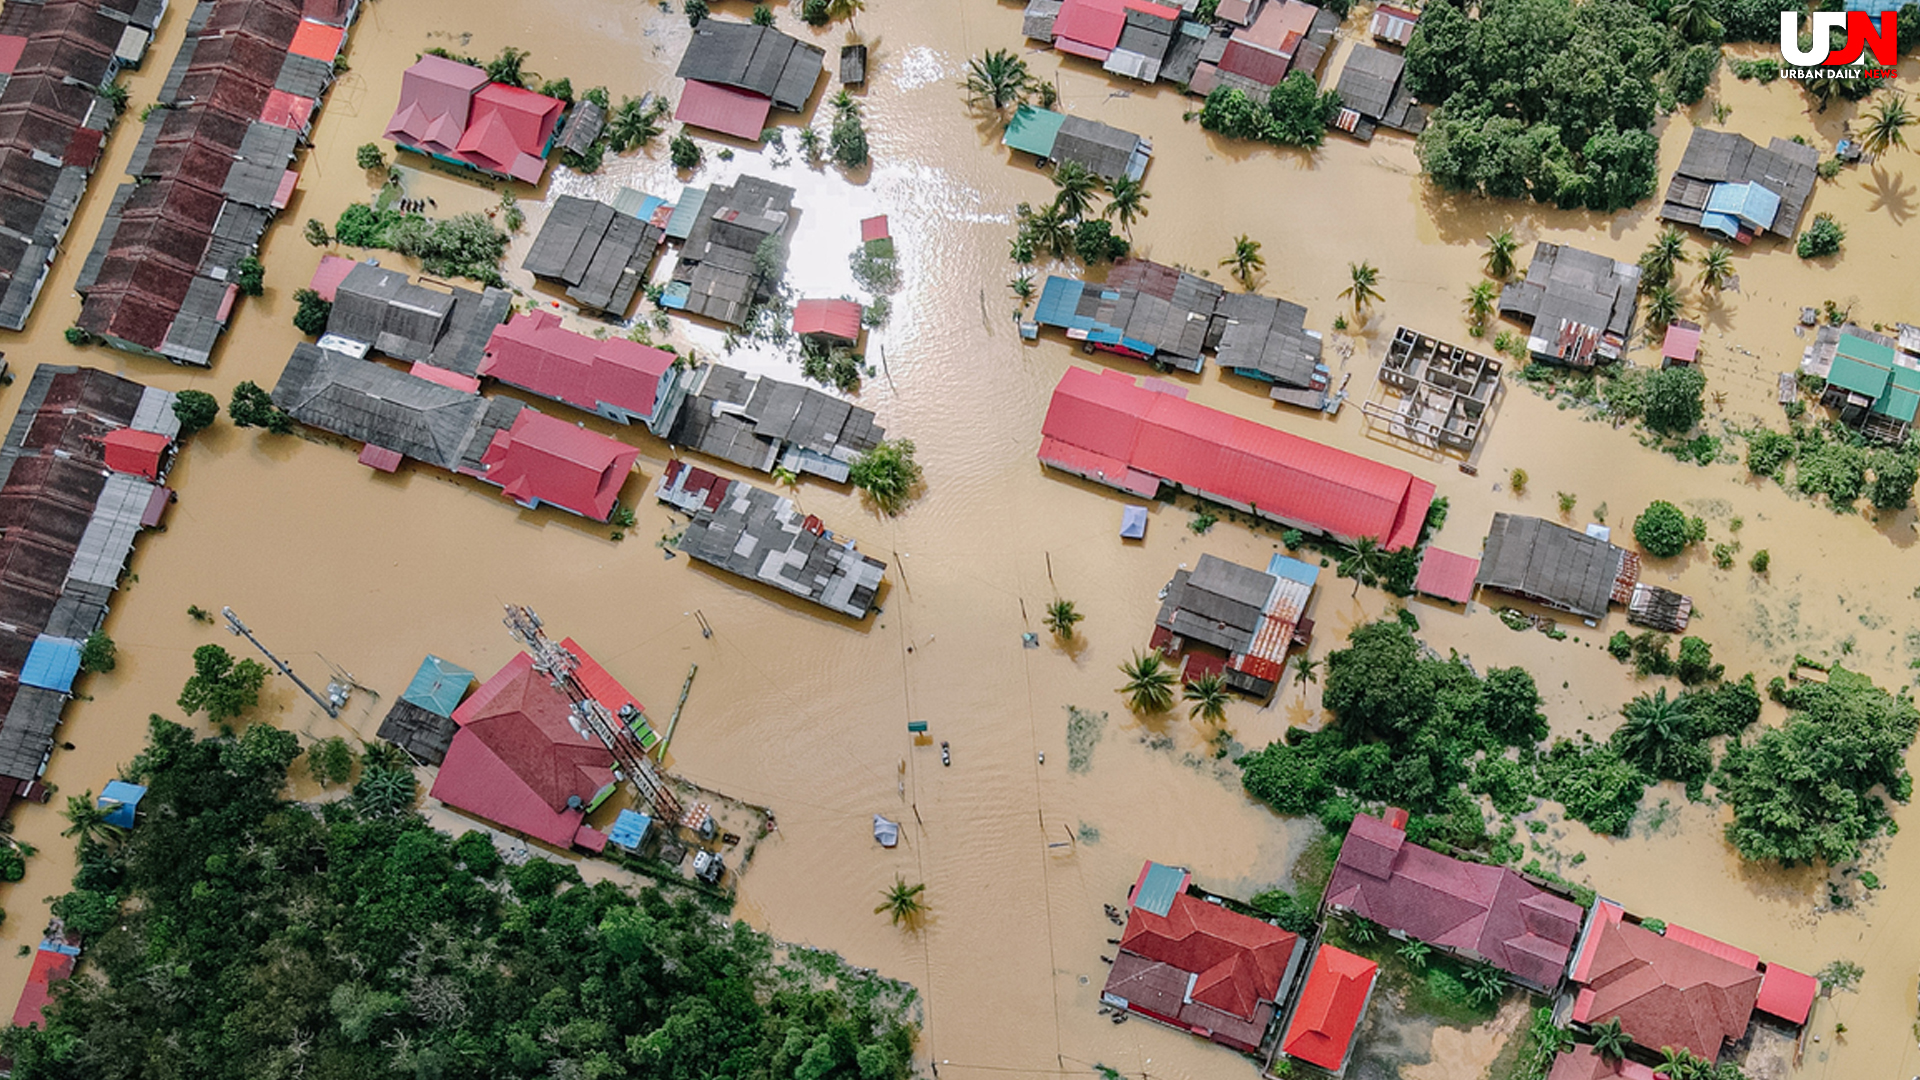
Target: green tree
1050 229
254 407
632 123
996 80
1609 1040
684 152
1299 111
1663 306
1821 239
1364 276
845 9
1126 202
196 410
1306 668
330 761
1364 562
312 313
695 10
1150 683
1246 260
1208 693
1062 617
97 653
1672 399
506 67
1662 530
1480 300
369 156
1663 254
762 15
316 233
1886 125
219 686
87 822
1695 664
901 902
1893 477
1657 729
888 474
1716 268
1094 242
383 791
848 139
1692 18
1075 189
1500 250
250 276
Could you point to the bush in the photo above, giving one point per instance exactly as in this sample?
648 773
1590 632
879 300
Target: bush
684 152
1662 530
1822 238
78 337
1620 645
1094 241
1296 113
1761 71
1650 656
814 12
1290 913
696 10
1695 665
250 276
254 407
888 474
1595 784
1727 709
221 687
86 912
848 140
1290 779
313 312
97 653
369 156
1671 399
1893 477
196 410
1761 560
1292 539
1835 469
1767 451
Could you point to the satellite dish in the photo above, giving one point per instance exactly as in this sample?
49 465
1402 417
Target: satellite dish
574 803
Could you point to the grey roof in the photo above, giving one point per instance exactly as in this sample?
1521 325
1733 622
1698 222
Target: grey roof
79 611
760 535
1217 602
371 403
1552 564
421 732
236 235
853 65
1567 288
196 22
1267 338
1105 150
1184 52
304 76
382 308
198 324
1368 80
601 252
756 58
584 125
27 735
1037 21
105 546
1785 168
497 416
1145 39
464 344
756 423
1308 55
716 262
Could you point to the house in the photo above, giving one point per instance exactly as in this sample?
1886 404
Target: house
120 803
612 377
421 720
1103 150
540 460
1264 338
733 256
736 73
1373 95
1328 1011
376 405
452 112
756 534
1224 618
1872 386
1286 36
1582 1062
1128 321
762 424
1111 429
1147 34
53 962
1193 965
583 127
378 309
139 453
1446 576
1393 25
1094 28
1555 566
600 254
1441 392
1470 910
1663 988
520 760
1581 305
1681 344
828 322
1732 188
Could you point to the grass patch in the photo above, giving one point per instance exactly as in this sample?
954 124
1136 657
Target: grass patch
1083 733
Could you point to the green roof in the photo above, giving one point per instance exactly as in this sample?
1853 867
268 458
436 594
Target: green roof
1857 375
438 686
1868 368
1903 394
1033 130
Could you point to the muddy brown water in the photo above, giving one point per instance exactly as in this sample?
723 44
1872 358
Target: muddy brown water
332 563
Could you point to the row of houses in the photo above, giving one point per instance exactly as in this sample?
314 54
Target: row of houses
82 474
56 58
211 170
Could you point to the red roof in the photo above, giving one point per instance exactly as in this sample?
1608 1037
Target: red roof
1446 575
317 40
544 460
536 353
1786 993
1329 1008
725 109
453 380
1092 27
1107 427
49 966
522 721
327 277
1582 1063
1676 932
11 46
136 452
476 780
1203 968
1486 910
1252 62
1682 343
873 228
451 109
604 687
1663 991
436 94
839 319
379 457
290 111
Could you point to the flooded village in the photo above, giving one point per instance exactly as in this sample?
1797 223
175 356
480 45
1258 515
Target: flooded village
1184 520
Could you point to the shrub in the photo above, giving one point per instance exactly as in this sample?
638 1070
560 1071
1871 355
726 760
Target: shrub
1692 71
684 152
1662 530
250 276
313 312
814 12
196 410
1290 913
1620 645
369 156
1094 241
316 233
1671 399
696 10
1292 539
848 140
1695 664
1727 709
1835 469
1767 451
1595 784
1822 238
253 407
1650 655
77 336
97 653
1760 562
888 474
1893 477
1517 480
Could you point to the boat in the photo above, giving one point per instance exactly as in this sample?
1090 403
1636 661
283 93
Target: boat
946 755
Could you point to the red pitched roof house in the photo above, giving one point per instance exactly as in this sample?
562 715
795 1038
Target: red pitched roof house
544 460
1091 28
1682 343
1472 910
616 378
50 965
450 111
519 762
1106 427
141 453
1329 1009
1446 576
728 110
831 320
1663 991
1581 1063
1203 968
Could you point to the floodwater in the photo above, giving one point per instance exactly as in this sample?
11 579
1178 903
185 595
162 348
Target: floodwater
333 564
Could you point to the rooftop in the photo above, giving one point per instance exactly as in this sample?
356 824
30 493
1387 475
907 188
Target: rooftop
759 423
1581 305
601 254
1329 1009
542 460
534 352
758 59
1663 991
1202 968
717 275
451 111
1554 565
374 404
1785 168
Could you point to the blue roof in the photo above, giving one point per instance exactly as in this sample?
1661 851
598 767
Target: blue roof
1058 299
629 829
1876 6
1721 224
1158 886
52 664
1752 204
1282 566
438 686
1133 522
121 800
685 213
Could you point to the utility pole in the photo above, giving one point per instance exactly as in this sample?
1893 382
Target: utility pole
240 629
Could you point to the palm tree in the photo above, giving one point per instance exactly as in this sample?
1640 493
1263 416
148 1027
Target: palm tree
1061 616
1676 1062
506 68
631 125
1306 668
1656 726
1075 188
1364 561
1884 123
1246 260
1209 696
1365 277
1716 268
1692 18
1500 249
1609 1041
844 9
1050 230
87 822
1663 306
1661 256
785 477
996 79
1415 953
902 901
1126 200
1022 287
1149 685
1480 306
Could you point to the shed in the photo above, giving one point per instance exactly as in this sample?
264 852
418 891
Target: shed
1786 993
833 320
121 801
853 65
438 686
425 735
140 453
1133 522
380 458
51 664
874 228
1555 566
629 830
1446 576
1393 24
1682 343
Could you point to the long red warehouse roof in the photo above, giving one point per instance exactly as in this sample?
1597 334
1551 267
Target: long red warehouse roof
1108 427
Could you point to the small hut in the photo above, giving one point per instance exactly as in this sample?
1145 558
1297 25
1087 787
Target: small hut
853 65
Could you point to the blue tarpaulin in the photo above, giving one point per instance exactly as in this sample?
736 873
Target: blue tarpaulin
438 686
121 801
1133 522
1291 569
629 830
51 664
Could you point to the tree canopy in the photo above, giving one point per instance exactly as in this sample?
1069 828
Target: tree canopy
221 687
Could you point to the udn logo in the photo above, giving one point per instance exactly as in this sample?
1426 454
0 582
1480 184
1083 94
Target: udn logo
1862 37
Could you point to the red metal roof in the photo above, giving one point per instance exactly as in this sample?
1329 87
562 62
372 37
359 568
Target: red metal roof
333 270
290 111
873 228
604 687
49 966
379 457
725 109
436 96
1252 62
11 46
544 460
1092 27
317 40
1682 342
1714 946
508 131
1105 426
522 720
833 318
1786 993
535 352
450 379
1664 991
1446 575
1329 1008
136 452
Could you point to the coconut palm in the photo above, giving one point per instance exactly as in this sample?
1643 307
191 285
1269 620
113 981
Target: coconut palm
1364 561
1075 189
1500 249
1884 124
1658 261
1022 287
1716 268
1656 726
1209 696
1061 616
902 901
1049 229
1692 18
1150 681
1480 306
506 68
87 822
844 9
996 79
1365 277
1126 200
632 124
1610 1041
1306 668
1663 306
1246 260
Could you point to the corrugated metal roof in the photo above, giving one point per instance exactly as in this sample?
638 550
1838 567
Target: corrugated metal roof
1033 130
52 664
439 685
108 541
